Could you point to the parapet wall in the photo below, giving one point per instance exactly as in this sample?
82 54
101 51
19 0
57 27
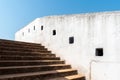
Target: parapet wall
81 40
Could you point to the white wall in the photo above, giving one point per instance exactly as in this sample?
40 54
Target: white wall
90 31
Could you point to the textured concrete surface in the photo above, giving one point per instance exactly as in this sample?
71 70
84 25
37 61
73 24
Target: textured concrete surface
90 31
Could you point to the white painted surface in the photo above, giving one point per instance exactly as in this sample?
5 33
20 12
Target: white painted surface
105 71
90 31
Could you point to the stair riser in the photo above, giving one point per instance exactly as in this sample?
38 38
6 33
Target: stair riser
21 46
33 69
20 49
22 52
3 64
28 58
44 77
18 43
28 54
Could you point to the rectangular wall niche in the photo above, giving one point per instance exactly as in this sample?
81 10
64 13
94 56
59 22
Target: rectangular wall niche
71 40
54 32
42 27
99 52
34 27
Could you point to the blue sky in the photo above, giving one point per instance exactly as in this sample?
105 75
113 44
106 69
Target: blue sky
15 14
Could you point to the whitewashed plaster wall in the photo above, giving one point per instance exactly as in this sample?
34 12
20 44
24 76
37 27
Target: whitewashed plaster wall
90 31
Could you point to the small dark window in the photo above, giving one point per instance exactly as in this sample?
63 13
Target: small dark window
99 52
34 27
71 40
22 33
28 30
41 27
54 32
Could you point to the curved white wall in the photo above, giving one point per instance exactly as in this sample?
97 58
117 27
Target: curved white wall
90 31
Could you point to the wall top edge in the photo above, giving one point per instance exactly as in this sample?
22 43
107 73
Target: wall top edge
85 14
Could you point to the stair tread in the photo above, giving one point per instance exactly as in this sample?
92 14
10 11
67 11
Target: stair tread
74 76
30 60
69 77
28 54
11 67
24 52
21 56
34 52
10 48
19 42
35 73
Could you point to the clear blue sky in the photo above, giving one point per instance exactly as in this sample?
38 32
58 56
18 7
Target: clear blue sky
15 14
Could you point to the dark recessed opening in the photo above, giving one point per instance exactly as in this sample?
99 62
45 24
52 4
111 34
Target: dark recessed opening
41 27
71 40
34 27
28 30
99 52
54 32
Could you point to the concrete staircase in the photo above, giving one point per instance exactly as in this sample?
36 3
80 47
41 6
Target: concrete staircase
30 61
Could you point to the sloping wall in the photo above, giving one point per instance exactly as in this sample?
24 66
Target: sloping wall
89 31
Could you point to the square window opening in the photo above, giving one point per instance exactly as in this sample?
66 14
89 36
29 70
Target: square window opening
99 52
41 27
34 27
54 32
71 40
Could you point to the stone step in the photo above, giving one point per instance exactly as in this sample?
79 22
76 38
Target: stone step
17 57
2 52
26 53
39 75
71 77
31 61
18 43
20 49
6 63
21 46
36 68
